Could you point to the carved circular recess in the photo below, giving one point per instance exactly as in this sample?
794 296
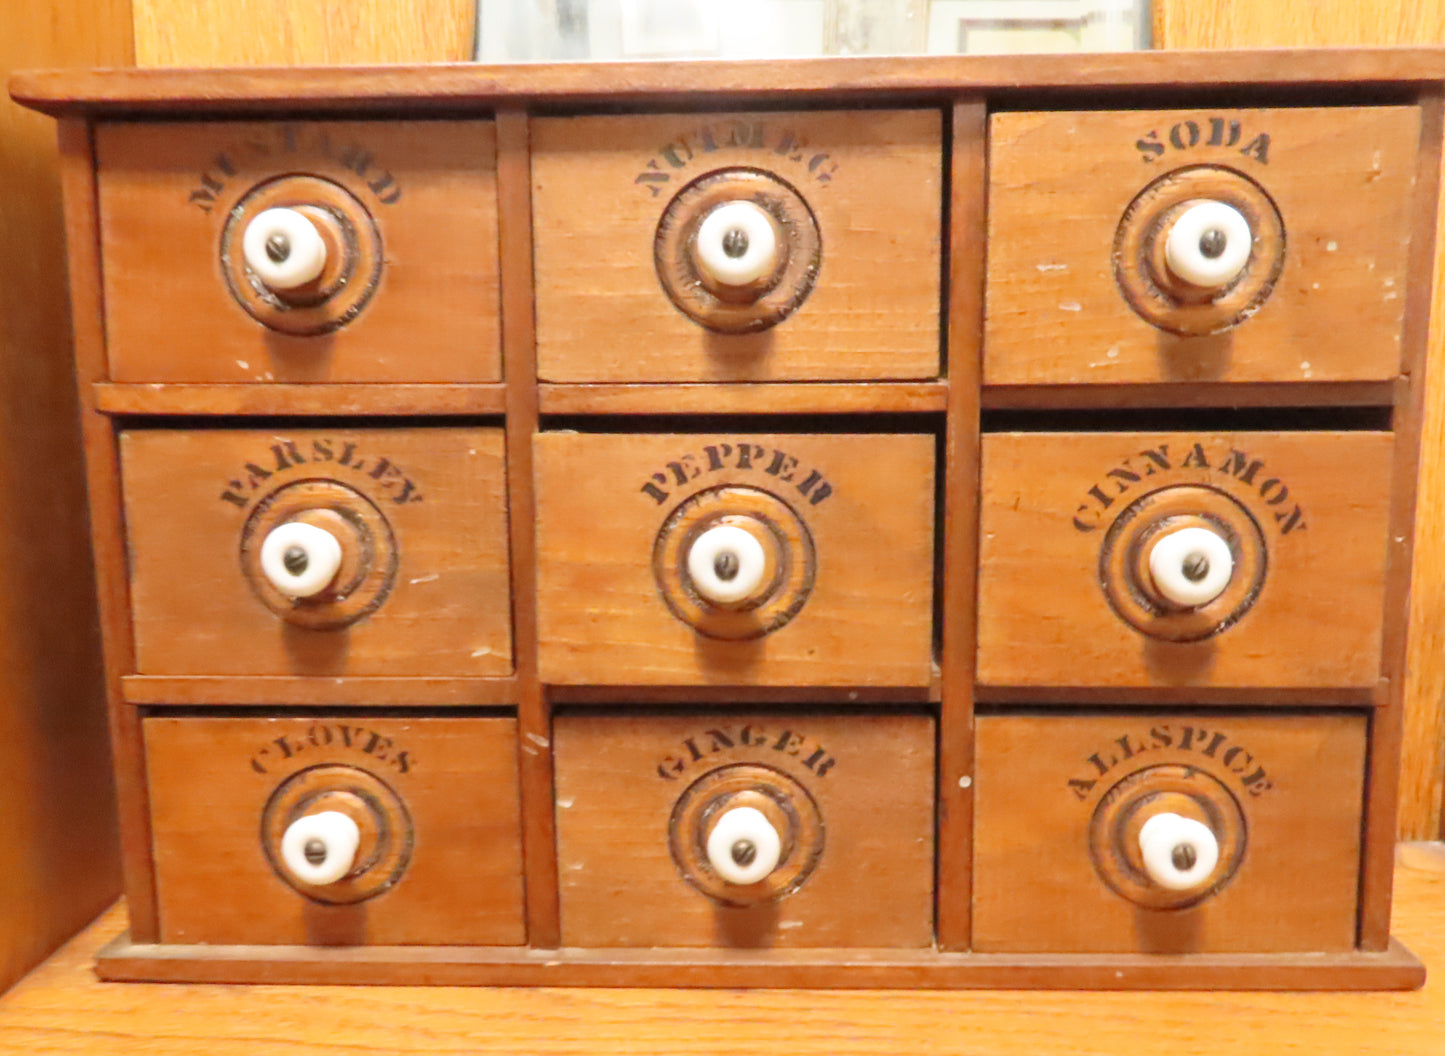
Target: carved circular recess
1141 265
789 809
353 257
1184 791
783 538
1124 571
368 552
379 813
758 297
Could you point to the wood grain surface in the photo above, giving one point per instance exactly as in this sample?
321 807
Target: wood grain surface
298 32
456 780
1060 182
60 861
61 1010
440 490
602 615
428 189
872 180
1265 23
1297 780
619 777
1045 619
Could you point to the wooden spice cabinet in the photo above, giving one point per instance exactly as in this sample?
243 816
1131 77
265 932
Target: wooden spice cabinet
858 467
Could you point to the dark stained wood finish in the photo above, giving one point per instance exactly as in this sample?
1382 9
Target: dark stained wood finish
967 216
716 84
273 400
1046 619
943 414
801 398
1060 182
534 721
1389 721
107 528
852 969
870 775
867 621
171 316
1036 885
211 779
192 690
872 184
441 496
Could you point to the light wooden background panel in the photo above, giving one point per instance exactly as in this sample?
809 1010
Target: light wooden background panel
294 32
1302 23
57 811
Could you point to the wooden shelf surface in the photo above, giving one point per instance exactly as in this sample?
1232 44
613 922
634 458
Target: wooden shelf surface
61 1009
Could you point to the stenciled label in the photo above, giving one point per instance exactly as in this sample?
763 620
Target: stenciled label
341 459
773 142
287 148
326 741
1227 133
752 740
740 455
1135 748
1226 461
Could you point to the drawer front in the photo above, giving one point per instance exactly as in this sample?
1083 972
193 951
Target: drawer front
821 825
634 282
768 560
1069 857
201 271
1087 225
1182 559
228 534
432 854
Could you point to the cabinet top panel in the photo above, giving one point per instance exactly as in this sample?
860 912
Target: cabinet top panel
1037 78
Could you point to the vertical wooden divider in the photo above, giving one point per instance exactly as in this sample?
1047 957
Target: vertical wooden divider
519 367
1387 722
107 526
968 172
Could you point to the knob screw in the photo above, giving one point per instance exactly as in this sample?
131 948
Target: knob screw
278 247
315 852
1195 568
735 242
295 560
1212 243
1183 857
744 851
726 565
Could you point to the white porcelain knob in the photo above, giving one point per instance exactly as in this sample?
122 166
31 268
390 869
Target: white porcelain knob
736 244
1209 244
727 564
283 248
1179 853
1191 567
743 846
330 837
299 559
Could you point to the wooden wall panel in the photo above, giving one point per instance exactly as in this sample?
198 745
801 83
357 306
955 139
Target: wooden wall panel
301 32
58 868
1303 23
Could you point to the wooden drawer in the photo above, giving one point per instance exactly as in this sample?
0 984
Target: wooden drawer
418 516
849 799
838 532
407 211
1060 806
1079 530
623 294
1082 205
433 801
